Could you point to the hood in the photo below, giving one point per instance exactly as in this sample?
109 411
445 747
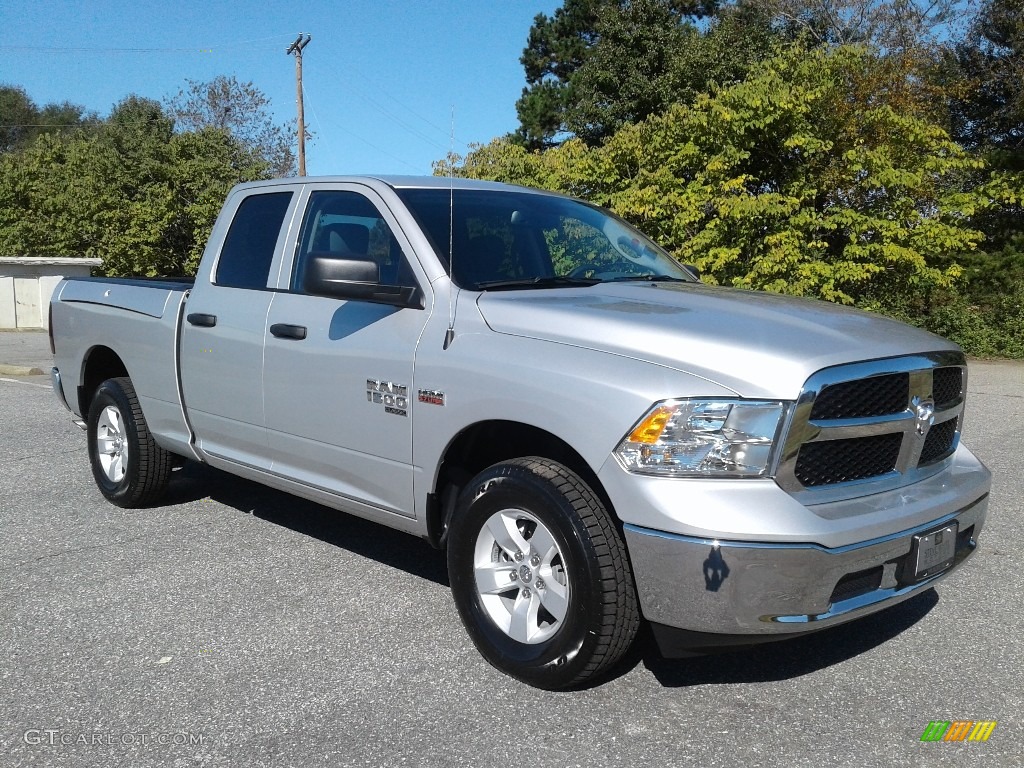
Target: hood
753 343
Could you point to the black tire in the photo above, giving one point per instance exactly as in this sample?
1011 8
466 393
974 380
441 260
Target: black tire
597 598
141 467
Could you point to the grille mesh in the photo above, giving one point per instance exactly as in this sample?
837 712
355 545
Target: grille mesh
946 387
874 396
939 443
840 461
855 584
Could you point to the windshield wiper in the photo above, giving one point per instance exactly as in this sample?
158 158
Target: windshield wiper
536 282
649 279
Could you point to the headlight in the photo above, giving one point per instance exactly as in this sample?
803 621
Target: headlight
702 438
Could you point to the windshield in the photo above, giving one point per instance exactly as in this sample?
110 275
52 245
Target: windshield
502 240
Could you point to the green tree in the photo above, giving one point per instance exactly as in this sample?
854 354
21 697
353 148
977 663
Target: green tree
240 109
21 120
797 180
596 65
988 117
732 41
991 59
18 114
648 55
633 42
890 27
131 191
628 73
556 47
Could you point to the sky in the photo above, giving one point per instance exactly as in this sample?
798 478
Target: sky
382 79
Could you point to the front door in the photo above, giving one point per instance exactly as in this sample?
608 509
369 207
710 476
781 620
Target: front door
338 375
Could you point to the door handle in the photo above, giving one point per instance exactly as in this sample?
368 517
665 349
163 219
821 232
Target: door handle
203 321
285 331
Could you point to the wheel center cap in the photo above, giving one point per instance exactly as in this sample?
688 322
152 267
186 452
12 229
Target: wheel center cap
525 574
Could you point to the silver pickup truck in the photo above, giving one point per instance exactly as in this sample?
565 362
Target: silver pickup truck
594 436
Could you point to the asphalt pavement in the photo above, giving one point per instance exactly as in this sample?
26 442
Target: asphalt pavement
25 353
237 626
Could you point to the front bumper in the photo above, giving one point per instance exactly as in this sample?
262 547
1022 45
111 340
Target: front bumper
759 591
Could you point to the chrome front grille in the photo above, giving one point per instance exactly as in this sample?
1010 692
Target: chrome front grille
940 443
875 396
842 461
887 422
948 386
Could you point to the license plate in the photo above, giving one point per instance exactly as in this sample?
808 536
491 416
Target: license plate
933 552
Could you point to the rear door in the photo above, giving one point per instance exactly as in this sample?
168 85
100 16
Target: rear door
338 375
225 326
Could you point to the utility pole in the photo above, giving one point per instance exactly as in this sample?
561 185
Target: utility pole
300 42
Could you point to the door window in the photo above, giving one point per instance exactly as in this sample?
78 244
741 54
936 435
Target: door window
249 247
348 226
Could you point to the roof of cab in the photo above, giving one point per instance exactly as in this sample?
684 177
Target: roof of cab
396 182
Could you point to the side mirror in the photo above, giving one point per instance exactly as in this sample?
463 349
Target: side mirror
355 279
692 270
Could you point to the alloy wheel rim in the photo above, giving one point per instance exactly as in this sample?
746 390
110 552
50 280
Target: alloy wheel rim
111 444
520 576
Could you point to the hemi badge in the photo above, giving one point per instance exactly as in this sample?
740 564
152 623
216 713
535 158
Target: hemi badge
431 397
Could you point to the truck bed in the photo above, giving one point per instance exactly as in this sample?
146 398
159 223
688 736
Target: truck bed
140 319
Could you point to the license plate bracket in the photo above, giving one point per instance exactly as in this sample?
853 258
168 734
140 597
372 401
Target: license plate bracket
933 552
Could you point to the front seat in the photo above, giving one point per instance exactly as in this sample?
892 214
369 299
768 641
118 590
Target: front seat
343 239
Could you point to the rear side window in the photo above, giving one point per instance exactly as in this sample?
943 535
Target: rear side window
249 247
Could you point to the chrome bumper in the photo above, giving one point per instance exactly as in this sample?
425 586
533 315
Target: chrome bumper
58 390
715 587
58 387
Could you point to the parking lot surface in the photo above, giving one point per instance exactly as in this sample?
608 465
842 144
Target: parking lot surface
237 626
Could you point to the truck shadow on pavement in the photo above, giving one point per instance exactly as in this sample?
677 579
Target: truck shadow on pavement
787 659
353 534
771 662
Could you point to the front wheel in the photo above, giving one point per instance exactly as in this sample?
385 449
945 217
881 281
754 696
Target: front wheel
540 574
129 468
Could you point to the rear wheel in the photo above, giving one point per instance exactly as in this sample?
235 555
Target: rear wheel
540 575
129 468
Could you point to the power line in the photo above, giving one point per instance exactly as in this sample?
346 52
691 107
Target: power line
104 49
356 136
86 124
405 106
347 83
316 116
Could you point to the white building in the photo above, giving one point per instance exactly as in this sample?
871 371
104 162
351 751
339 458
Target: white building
27 282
